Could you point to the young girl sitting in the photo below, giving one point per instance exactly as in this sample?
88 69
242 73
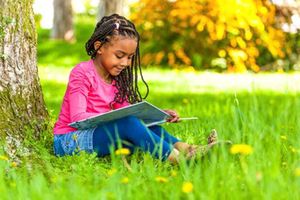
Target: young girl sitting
109 80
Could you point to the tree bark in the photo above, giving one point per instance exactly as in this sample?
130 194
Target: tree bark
22 105
63 20
108 7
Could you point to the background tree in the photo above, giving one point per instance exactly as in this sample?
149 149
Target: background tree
21 100
63 20
107 7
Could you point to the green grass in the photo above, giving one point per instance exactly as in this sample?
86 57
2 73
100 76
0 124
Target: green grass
259 110
259 118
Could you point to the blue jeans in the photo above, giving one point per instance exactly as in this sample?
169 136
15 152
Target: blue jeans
73 142
128 132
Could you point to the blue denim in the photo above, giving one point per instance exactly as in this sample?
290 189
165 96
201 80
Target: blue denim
73 142
129 132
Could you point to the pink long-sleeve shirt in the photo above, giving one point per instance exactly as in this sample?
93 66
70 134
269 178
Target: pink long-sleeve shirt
87 95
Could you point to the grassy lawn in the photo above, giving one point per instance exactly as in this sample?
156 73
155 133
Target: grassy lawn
252 113
262 111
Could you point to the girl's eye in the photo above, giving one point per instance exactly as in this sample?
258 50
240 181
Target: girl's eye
122 56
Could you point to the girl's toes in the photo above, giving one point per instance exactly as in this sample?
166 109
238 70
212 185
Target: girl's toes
213 137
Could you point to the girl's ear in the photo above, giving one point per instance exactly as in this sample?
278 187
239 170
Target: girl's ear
97 46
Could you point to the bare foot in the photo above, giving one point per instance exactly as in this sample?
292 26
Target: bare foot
213 137
201 150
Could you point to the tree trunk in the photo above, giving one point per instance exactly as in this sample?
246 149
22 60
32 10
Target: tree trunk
22 105
63 20
108 7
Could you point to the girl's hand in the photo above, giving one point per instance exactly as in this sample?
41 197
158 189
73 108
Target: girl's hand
174 116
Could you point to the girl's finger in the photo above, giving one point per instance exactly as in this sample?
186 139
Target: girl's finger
175 119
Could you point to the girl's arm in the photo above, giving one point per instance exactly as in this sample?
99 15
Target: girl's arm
118 105
78 105
79 86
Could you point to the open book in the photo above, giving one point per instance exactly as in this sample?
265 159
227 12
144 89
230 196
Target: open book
145 111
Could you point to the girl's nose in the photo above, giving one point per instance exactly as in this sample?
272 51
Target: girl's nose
126 62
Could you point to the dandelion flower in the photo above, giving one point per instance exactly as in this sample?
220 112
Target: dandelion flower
75 137
3 158
125 180
187 187
185 101
294 150
297 171
161 179
173 173
243 149
283 137
111 172
14 164
122 151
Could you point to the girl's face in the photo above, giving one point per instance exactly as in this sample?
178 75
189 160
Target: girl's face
116 55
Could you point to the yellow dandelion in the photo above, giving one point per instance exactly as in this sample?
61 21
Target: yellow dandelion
243 149
122 151
75 137
161 179
187 187
14 164
297 171
294 150
124 180
173 173
3 158
111 172
283 137
185 101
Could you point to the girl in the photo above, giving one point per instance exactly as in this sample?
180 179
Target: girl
110 81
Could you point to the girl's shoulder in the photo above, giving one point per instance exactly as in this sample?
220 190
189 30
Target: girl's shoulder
83 70
83 67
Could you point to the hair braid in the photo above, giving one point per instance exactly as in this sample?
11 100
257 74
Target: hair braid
127 81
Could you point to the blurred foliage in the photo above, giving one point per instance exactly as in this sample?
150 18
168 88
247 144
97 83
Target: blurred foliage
61 53
232 34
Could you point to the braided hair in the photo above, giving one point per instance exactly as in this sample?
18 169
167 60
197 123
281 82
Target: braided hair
127 81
